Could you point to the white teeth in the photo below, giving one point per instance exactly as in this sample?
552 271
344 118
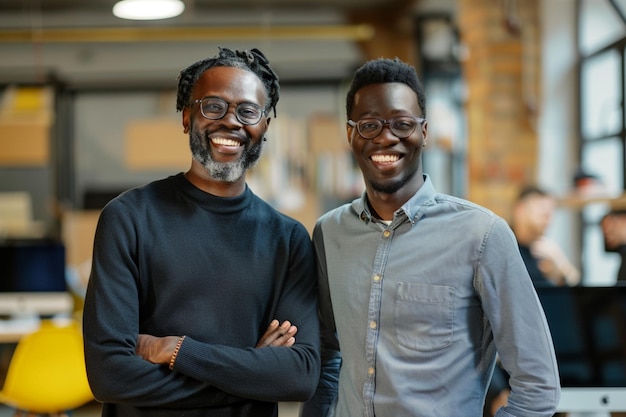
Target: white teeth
226 142
385 158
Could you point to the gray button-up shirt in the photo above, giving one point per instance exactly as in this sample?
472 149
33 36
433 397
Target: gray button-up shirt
421 307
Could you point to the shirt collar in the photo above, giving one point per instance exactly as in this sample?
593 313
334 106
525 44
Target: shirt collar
412 209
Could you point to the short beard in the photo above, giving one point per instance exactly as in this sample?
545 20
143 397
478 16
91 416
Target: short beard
393 187
229 172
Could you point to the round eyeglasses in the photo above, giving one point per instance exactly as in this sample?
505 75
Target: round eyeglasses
402 127
214 108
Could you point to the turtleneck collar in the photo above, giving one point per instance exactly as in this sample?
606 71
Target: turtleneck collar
211 202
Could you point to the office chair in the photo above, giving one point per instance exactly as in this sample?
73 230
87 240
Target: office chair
46 374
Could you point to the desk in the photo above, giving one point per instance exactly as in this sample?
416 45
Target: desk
24 311
36 303
12 330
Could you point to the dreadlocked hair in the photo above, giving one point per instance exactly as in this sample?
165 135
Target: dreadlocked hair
253 61
383 70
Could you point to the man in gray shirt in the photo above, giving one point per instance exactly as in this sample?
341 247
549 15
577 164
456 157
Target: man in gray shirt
420 290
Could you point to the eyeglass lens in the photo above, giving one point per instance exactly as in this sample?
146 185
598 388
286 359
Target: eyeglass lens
215 108
402 127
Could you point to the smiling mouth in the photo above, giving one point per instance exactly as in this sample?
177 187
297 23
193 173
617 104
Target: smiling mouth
226 142
385 159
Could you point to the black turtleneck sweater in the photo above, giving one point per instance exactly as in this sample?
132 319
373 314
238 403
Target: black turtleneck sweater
170 259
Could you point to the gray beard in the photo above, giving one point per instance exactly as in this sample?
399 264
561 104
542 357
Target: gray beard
229 172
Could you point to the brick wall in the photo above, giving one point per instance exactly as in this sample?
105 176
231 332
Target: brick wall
502 73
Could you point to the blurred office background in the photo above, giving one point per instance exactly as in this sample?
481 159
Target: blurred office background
519 92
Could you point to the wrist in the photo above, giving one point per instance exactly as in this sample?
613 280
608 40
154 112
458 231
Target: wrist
175 352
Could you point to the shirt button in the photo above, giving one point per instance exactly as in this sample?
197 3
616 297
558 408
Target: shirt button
386 233
376 278
370 371
372 324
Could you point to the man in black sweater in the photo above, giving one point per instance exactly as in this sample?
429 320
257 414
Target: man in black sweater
198 287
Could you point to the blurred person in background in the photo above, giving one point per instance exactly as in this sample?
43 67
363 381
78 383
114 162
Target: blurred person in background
613 227
546 262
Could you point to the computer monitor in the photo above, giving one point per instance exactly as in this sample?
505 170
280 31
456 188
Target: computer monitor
588 326
32 278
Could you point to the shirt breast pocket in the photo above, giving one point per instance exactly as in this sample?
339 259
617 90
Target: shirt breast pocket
424 316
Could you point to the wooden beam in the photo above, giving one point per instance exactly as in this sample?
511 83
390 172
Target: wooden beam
358 32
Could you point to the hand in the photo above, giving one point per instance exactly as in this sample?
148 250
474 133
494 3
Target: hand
159 350
278 335
554 263
499 401
156 349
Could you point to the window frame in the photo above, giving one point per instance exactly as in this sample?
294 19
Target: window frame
591 215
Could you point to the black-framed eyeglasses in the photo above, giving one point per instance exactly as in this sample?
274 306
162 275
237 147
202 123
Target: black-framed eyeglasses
402 126
214 108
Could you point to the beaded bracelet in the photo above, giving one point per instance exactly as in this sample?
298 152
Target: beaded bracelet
175 353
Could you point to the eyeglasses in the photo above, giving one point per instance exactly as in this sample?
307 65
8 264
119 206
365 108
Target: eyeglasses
214 108
402 126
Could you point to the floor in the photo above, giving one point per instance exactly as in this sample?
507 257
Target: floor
93 410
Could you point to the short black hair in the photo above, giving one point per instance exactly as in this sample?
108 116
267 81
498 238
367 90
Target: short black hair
253 61
530 190
385 70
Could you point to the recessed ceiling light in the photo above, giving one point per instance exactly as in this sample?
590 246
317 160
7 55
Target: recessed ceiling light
148 9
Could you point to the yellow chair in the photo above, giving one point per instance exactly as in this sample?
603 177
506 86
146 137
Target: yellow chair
47 373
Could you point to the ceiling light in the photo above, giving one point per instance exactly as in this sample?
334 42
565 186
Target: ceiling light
148 9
